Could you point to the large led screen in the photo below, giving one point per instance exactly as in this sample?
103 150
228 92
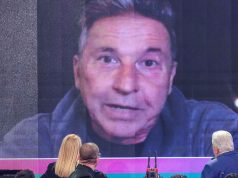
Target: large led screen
134 77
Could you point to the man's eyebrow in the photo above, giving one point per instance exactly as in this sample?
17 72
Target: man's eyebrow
106 49
151 49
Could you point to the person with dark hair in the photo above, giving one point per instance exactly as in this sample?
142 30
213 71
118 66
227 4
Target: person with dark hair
178 176
226 158
124 99
89 157
25 174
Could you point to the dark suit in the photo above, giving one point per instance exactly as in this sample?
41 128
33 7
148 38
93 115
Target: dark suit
50 172
83 171
221 166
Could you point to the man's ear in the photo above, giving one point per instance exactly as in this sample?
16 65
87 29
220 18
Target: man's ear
76 67
216 151
172 75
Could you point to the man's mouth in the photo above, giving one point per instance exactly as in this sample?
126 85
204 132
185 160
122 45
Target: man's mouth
118 106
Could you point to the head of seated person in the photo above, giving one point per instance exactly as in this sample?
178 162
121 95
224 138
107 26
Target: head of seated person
232 175
178 176
25 174
222 142
89 154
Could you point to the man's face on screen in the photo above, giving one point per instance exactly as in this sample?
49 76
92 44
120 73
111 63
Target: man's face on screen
124 75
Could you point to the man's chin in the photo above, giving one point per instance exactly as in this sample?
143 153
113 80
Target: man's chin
121 133
125 138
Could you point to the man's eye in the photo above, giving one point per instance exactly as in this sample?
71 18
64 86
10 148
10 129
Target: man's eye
108 59
150 63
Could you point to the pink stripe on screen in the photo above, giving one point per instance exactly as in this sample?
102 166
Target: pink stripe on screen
116 165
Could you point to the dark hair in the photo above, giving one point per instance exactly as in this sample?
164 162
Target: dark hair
159 10
25 174
178 176
89 152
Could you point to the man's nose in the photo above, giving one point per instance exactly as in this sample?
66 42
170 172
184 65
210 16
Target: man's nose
126 80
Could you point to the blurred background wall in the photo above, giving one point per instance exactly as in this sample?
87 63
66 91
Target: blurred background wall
18 61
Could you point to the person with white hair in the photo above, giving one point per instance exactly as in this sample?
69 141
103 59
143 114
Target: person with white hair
226 158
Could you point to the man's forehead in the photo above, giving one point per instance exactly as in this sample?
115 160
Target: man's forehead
129 33
128 25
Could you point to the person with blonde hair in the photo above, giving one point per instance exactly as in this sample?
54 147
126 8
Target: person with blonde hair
67 158
226 158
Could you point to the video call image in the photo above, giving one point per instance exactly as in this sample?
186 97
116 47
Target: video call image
135 77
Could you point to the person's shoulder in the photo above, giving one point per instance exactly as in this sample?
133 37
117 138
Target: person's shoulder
201 109
51 166
99 174
228 155
212 162
34 120
224 158
29 125
209 170
22 139
82 171
206 108
50 171
208 105
178 96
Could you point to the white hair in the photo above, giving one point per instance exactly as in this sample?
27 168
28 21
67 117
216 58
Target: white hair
223 141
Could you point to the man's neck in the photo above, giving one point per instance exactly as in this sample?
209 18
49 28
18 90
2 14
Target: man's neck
225 152
92 166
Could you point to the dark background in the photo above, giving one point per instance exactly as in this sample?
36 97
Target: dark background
207 41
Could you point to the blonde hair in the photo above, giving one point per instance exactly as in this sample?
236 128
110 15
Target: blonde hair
223 141
68 155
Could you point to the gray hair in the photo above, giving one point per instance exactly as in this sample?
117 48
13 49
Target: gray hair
223 141
94 10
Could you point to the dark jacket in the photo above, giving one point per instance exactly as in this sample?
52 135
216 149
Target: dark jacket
221 166
83 171
50 172
184 128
